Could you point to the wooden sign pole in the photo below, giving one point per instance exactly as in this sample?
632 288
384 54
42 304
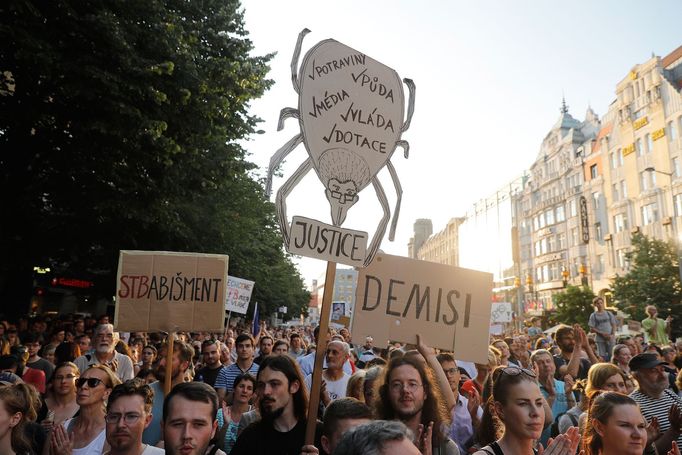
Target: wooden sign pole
169 364
320 351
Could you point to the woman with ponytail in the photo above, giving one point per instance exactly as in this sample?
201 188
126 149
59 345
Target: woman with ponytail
514 417
615 426
18 404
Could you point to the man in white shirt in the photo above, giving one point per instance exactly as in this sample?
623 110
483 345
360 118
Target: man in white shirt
105 353
335 379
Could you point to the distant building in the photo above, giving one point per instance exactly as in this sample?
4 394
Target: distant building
442 247
345 283
423 228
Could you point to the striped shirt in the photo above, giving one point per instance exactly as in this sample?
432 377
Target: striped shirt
227 375
658 407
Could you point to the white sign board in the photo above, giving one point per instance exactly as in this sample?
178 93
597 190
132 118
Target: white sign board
398 298
238 294
501 312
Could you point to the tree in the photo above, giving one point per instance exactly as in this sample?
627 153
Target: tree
653 279
574 305
119 126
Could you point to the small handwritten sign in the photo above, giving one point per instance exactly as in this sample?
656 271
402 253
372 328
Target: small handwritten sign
312 238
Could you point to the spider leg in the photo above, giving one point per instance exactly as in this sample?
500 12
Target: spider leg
283 193
399 194
277 158
287 112
294 60
410 104
381 228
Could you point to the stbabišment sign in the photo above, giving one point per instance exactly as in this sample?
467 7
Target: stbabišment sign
169 291
397 298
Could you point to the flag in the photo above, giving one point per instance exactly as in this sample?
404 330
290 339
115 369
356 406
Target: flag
255 325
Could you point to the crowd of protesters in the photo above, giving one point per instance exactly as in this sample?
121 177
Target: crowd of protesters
74 386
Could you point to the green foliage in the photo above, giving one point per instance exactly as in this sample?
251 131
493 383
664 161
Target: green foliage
574 305
653 279
119 129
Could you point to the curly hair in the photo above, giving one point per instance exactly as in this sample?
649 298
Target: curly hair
434 409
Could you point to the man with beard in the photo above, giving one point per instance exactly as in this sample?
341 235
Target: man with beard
182 356
656 400
189 420
335 379
265 345
572 341
129 412
210 352
104 343
410 393
283 405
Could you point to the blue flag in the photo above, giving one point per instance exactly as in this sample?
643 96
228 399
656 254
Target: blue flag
255 325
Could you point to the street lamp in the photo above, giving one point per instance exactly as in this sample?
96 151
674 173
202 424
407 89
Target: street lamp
583 274
672 216
564 276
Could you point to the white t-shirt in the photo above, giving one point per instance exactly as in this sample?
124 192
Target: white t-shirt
335 389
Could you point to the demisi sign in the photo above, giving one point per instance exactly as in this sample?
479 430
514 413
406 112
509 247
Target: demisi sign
584 223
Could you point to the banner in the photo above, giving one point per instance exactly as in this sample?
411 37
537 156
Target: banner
398 298
168 291
501 312
238 294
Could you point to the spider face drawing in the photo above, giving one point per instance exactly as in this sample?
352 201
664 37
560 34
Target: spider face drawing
351 113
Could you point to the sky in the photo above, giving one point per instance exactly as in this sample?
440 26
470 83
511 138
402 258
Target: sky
489 75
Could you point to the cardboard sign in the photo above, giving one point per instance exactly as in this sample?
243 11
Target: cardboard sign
449 306
157 290
501 312
338 311
238 294
351 109
318 240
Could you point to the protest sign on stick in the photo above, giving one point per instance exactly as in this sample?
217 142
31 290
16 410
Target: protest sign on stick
169 291
351 110
398 297
238 294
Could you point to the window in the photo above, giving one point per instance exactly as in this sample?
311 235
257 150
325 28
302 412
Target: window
551 244
613 160
615 192
638 147
536 223
541 220
536 245
676 167
672 131
649 143
593 171
574 236
572 208
549 216
560 214
647 180
554 271
677 199
598 232
561 241
621 260
620 222
623 189
649 213
596 196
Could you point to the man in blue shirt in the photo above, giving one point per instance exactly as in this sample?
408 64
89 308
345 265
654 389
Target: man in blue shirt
224 383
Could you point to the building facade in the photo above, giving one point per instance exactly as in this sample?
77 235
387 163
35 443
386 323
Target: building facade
443 246
597 182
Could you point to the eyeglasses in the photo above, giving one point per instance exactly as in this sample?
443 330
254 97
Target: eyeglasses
129 418
68 377
411 387
92 382
451 370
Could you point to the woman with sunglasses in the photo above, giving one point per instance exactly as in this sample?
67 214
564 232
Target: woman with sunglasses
85 434
514 417
60 404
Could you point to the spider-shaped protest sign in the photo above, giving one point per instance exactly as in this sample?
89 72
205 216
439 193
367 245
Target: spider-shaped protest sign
351 112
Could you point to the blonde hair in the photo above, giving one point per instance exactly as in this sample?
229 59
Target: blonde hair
598 374
356 381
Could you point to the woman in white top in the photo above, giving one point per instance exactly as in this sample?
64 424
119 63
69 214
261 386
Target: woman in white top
86 434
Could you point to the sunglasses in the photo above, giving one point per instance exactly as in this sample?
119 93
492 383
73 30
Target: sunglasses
92 382
514 371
